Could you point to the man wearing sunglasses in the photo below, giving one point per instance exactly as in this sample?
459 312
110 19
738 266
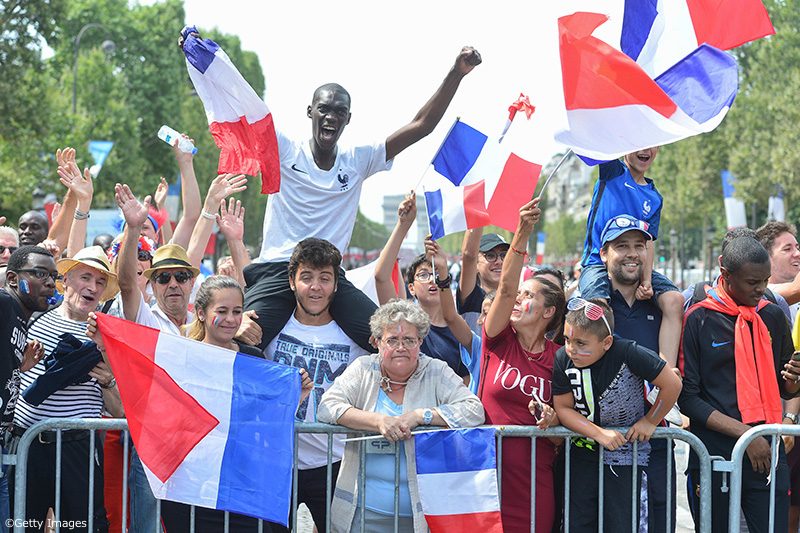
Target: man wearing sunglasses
30 282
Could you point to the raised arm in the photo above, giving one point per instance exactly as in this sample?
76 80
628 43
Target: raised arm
231 224
406 215
469 263
458 326
82 189
135 214
431 113
503 304
160 199
190 196
223 186
58 235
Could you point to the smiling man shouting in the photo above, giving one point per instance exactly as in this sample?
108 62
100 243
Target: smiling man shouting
319 195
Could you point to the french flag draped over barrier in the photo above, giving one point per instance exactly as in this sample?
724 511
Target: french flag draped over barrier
615 107
457 479
474 181
238 118
213 427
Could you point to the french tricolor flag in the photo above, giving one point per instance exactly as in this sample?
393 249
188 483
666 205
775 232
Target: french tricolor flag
457 479
474 181
658 34
238 118
540 240
615 107
213 427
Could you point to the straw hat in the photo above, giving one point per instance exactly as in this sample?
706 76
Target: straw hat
170 256
95 257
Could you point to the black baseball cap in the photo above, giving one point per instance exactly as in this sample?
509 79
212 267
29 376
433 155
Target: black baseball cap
490 241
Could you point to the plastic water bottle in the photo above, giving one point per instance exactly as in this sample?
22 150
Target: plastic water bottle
169 136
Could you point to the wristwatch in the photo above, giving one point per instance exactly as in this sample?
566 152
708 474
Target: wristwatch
791 416
427 417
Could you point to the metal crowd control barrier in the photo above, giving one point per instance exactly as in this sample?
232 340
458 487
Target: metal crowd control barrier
734 467
502 432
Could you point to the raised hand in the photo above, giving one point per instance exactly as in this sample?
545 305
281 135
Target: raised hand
81 186
223 186
529 215
161 193
34 351
407 210
467 59
134 212
181 156
65 156
231 220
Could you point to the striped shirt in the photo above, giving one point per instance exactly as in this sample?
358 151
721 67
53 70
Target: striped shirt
84 400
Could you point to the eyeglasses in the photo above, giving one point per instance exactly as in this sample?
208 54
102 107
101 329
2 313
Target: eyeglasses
590 310
491 257
40 273
423 276
181 277
395 342
11 249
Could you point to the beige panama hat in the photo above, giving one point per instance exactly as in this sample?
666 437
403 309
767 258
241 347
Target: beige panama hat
95 257
170 256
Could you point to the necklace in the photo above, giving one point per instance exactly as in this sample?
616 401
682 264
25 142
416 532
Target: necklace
386 382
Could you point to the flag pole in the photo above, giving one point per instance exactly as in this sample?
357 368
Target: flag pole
374 437
552 172
436 152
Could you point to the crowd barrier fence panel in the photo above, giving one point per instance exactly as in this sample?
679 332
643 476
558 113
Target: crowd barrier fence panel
502 432
734 466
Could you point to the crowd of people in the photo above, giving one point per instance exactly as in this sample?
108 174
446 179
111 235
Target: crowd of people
498 346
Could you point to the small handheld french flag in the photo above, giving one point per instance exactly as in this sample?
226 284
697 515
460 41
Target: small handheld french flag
474 181
457 478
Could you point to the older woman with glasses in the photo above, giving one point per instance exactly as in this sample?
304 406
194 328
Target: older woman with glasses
391 393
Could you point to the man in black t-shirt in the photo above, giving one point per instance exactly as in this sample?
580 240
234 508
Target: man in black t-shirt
30 283
735 358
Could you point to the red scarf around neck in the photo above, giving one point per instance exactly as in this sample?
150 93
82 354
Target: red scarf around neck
757 392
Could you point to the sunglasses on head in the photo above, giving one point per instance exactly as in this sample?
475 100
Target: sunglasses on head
144 255
163 278
11 249
591 310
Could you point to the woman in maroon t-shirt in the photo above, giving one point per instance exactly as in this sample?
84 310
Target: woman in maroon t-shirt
517 368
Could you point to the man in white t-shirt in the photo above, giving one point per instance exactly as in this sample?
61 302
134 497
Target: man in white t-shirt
312 340
319 195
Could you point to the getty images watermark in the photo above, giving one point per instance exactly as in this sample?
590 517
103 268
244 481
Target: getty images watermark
49 524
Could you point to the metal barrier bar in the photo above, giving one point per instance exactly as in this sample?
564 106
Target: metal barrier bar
125 468
533 485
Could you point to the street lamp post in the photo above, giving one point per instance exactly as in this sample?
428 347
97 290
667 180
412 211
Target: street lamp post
108 47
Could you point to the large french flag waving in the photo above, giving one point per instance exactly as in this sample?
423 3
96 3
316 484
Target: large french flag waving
457 479
615 107
238 118
474 181
213 427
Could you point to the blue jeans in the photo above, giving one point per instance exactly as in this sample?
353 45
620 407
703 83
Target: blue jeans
143 503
